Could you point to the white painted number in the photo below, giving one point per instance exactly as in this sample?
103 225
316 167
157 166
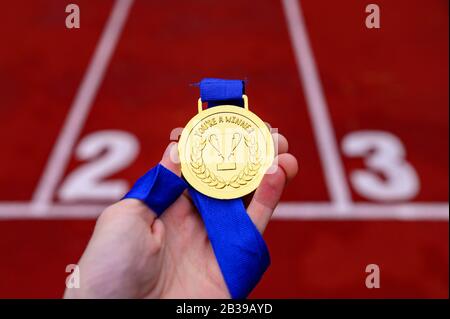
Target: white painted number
383 154
109 151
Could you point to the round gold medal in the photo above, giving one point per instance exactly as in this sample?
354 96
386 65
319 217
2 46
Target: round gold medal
225 151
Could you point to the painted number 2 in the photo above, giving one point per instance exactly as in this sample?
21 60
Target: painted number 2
109 152
384 154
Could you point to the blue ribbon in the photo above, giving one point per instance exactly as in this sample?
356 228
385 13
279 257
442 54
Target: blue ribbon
158 189
239 248
219 92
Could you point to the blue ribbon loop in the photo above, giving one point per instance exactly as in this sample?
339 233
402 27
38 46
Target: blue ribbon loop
239 248
158 188
219 92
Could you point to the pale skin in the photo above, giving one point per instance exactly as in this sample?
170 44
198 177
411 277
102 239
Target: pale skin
135 254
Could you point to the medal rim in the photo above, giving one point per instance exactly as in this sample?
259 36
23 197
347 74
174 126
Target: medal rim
193 181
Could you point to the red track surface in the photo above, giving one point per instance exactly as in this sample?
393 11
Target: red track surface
394 80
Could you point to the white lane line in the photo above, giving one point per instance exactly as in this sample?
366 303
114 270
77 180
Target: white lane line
81 106
285 211
317 107
364 211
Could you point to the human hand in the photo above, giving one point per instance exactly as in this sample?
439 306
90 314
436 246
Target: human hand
134 254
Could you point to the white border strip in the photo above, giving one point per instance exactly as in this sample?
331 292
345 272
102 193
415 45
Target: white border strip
317 106
81 106
364 211
284 211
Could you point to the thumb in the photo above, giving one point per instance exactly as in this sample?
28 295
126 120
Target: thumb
171 160
268 194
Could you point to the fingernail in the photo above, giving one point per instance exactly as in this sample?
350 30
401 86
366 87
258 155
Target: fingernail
168 148
173 153
272 169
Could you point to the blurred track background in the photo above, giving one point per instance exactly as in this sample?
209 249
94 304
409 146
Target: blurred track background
84 112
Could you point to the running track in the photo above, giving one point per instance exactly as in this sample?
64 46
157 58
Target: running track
85 112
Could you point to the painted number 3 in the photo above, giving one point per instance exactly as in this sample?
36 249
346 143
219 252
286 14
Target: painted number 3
108 152
384 154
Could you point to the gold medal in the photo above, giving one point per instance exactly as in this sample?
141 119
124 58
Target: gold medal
225 151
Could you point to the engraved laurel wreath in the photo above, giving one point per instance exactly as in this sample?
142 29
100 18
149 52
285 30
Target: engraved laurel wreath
208 177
